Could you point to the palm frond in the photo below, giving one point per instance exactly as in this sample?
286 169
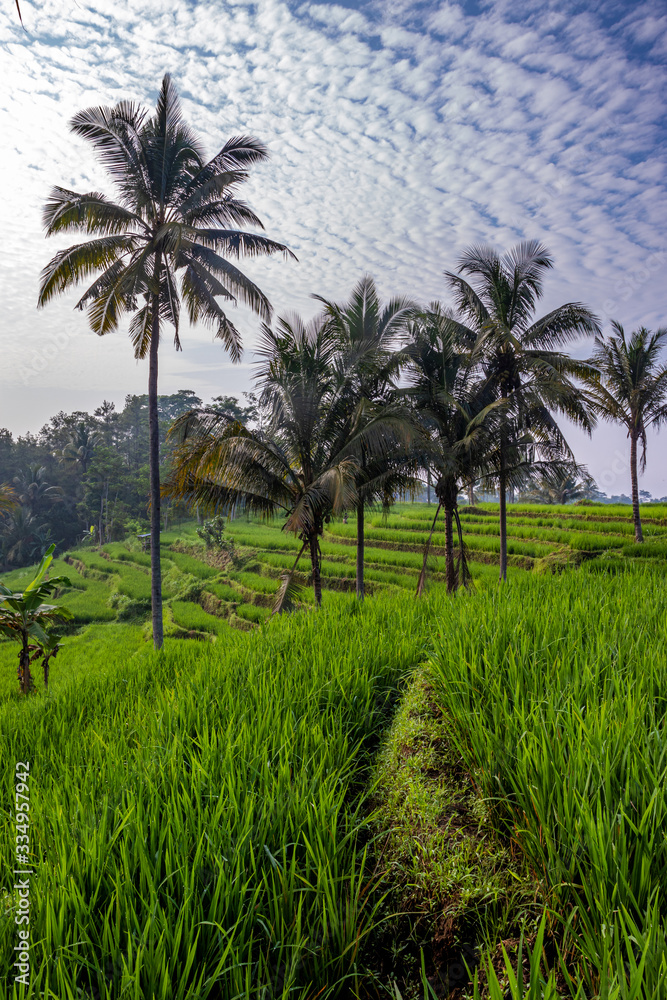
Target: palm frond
91 212
241 244
78 262
288 592
236 283
115 134
565 323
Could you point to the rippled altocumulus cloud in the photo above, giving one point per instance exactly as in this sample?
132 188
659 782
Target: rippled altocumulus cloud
400 132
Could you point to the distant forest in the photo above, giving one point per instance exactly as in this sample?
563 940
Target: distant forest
86 474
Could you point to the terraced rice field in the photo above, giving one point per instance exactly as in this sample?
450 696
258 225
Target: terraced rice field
539 539
206 596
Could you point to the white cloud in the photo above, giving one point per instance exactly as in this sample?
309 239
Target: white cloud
399 132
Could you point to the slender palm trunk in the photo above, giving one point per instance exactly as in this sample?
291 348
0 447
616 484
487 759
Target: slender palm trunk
428 486
639 537
315 563
503 509
360 550
450 567
154 459
471 493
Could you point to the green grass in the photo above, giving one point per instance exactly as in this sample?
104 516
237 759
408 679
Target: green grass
189 564
195 815
255 581
557 692
134 583
436 841
190 616
253 613
202 827
224 591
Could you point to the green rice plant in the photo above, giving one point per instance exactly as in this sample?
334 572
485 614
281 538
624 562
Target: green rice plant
90 604
118 551
94 562
192 617
389 557
407 581
224 591
253 613
646 550
197 827
556 691
253 581
189 564
134 582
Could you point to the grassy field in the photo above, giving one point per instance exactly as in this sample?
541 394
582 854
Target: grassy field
360 802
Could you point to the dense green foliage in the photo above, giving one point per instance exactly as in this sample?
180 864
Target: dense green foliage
81 470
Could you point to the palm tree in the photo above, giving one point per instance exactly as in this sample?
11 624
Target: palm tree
34 489
81 446
572 484
452 400
366 332
175 217
631 389
24 537
294 466
520 362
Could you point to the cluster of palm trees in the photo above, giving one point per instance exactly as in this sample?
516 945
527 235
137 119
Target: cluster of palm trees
360 401
365 399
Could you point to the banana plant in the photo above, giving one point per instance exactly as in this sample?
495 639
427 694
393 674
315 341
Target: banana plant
25 618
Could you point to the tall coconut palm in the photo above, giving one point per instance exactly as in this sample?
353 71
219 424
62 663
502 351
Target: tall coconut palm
294 465
521 363
632 390
367 364
176 218
453 401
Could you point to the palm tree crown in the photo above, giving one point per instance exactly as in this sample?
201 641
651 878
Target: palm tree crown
296 465
177 214
521 363
632 389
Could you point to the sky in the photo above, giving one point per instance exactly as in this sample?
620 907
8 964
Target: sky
400 132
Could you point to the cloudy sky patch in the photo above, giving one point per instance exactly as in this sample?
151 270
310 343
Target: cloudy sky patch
400 132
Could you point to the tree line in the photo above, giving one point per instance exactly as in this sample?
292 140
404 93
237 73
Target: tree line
483 381
85 475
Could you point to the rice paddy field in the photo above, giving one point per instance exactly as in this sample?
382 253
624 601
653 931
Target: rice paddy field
461 797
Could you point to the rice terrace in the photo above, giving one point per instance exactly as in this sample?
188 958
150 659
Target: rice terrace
336 675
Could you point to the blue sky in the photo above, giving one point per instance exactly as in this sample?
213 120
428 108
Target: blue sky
400 132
